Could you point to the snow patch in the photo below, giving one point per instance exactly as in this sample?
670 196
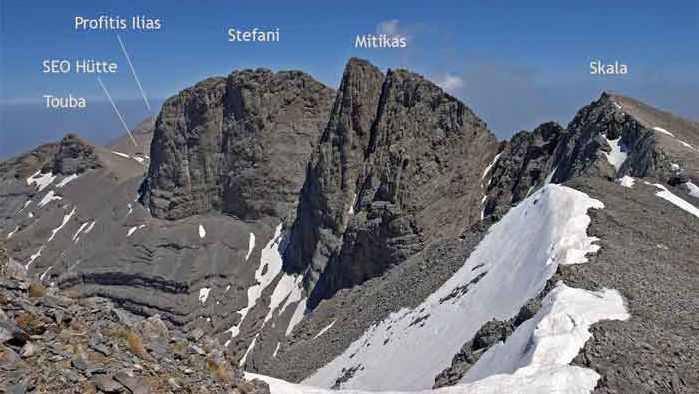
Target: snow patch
626 181
67 180
296 318
549 177
121 154
66 218
509 266
289 289
11 233
202 231
89 228
276 350
42 180
490 166
204 294
247 352
34 257
75 236
270 266
325 329
351 207
553 337
45 272
26 204
687 145
131 230
693 189
618 155
662 130
251 246
50 196
676 200
547 380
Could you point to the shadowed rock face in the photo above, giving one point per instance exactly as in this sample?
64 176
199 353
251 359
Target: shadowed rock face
237 145
399 161
522 166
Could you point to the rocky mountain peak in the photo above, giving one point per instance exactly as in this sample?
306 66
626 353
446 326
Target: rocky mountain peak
397 157
74 156
219 145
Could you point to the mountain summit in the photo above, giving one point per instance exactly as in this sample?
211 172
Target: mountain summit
377 237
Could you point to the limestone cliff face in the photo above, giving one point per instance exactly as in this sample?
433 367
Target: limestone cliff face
398 167
524 163
609 138
236 145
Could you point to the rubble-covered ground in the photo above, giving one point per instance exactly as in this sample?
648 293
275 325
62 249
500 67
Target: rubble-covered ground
51 342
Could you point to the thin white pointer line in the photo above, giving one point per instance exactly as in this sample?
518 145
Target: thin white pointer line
123 123
133 71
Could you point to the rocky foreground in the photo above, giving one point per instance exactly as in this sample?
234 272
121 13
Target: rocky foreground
53 342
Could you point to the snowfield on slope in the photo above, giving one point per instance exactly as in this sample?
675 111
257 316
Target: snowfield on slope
508 267
533 360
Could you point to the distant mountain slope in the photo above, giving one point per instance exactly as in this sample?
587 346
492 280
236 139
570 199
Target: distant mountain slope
332 237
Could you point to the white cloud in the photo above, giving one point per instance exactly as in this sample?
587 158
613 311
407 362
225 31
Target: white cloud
389 27
449 82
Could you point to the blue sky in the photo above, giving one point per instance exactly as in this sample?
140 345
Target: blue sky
515 63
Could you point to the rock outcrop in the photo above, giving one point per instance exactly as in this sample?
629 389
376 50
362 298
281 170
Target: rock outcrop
522 166
74 156
399 160
237 145
51 342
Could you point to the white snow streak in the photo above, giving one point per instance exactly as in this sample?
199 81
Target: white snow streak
45 272
75 236
490 166
676 200
11 233
34 257
662 130
325 329
131 230
89 228
351 207
276 349
121 154
202 231
247 352
509 266
296 318
66 218
50 196
42 180
204 294
251 246
26 204
67 180
550 176
626 181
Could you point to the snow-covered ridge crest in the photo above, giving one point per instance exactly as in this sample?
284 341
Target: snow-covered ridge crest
508 267
533 360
